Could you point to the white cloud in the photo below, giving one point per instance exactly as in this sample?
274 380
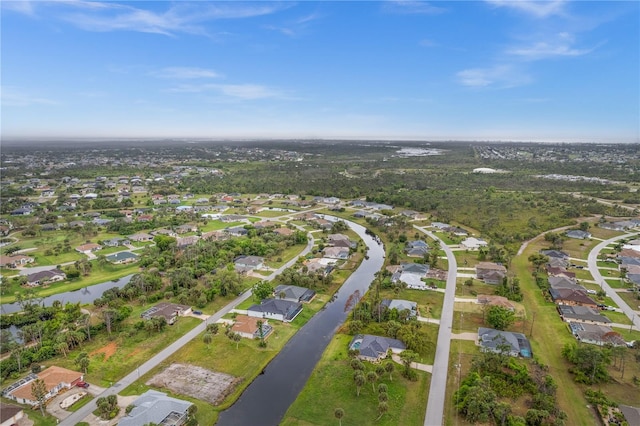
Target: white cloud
236 91
499 76
427 43
177 18
411 7
11 96
542 50
21 6
183 73
539 9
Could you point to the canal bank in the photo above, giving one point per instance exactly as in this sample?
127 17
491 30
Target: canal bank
267 398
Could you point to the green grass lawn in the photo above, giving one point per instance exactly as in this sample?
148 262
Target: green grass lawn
331 386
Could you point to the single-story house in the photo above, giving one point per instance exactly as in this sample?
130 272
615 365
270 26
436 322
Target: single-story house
596 334
341 253
115 242
153 407
183 229
555 253
15 261
122 257
401 305
45 277
286 232
187 241
557 262
578 234
10 414
294 293
141 237
499 341
320 266
169 311
88 247
55 379
572 297
248 263
280 310
247 327
495 300
492 271
560 281
581 314
374 348
472 243
237 231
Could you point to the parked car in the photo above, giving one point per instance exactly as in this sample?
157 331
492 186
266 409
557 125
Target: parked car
197 312
82 385
592 292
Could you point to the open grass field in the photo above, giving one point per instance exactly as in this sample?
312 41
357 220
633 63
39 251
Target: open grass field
331 386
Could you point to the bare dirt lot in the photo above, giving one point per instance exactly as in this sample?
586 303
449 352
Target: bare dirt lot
196 382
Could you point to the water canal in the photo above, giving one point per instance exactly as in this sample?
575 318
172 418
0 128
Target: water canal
267 398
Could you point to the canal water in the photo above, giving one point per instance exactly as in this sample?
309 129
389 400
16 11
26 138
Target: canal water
267 398
84 295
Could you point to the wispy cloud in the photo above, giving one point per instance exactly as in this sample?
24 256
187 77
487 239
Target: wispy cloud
12 96
177 18
21 6
538 9
410 7
236 91
297 26
561 46
499 76
184 73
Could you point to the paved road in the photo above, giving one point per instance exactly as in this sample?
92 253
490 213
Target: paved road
595 272
437 393
79 415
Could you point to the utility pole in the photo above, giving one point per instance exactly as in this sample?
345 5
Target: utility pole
532 321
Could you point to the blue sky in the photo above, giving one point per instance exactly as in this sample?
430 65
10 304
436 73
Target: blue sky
482 70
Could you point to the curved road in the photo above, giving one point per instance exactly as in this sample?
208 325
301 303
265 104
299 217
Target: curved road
437 392
83 412
597 276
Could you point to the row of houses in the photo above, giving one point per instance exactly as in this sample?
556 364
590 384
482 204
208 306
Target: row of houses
575 305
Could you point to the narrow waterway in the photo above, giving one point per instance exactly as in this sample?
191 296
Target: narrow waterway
268 397
84 295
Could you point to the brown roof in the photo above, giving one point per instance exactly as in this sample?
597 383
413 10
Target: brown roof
52 377
494 300
491 266
246 324
629 253
283 231
89 246
7 411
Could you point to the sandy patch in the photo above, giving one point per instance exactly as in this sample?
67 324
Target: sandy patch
107 350
196 382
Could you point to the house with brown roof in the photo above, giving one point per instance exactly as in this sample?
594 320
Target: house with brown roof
284 231
55 379
490 273
89 247
495 300
572 297
10 414
15 261
247 327
169 311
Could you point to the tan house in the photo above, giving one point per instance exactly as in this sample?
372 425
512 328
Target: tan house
88 247
55 379
14 261
247 327
169 311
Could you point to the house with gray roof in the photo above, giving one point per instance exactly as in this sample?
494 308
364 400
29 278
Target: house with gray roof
153 407
45 277
596 334
582 314
374 348
401 305
276 309
122 257
578 234
294 293
499 341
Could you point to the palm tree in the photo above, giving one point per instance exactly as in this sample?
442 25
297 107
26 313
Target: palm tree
359 380
383 407
371 378
339 413
207 338
383 397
